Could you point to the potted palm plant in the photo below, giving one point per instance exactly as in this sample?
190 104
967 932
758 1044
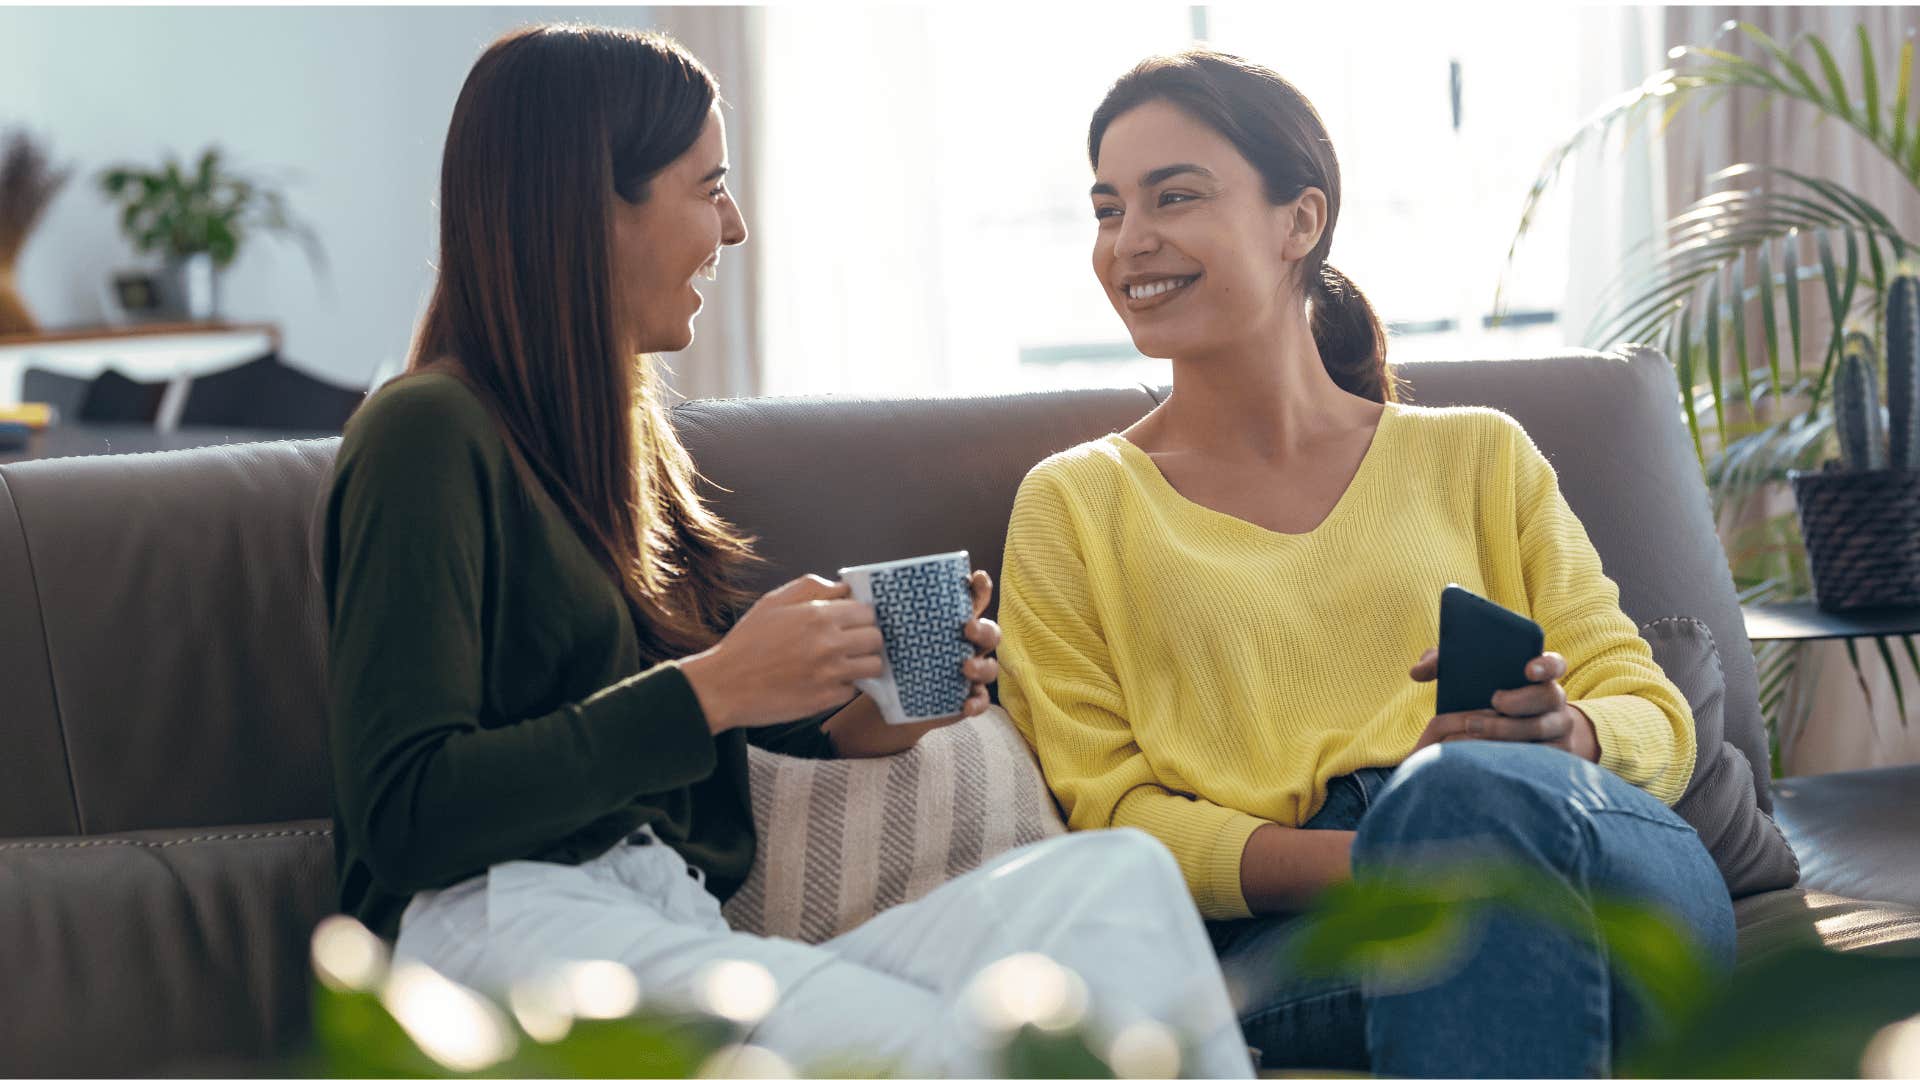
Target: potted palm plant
197 218
1753 291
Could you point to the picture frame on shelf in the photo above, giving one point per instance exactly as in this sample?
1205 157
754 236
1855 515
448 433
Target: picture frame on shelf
135 296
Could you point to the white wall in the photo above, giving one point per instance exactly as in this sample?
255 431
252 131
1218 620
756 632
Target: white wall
354 102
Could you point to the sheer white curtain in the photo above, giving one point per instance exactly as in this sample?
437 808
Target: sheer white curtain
1846 729
725 358
1622 191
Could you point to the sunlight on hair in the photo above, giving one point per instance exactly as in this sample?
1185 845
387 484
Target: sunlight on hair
739 990
747 1063
1028 988
1144 1049
1894 1052
450 1023
347 955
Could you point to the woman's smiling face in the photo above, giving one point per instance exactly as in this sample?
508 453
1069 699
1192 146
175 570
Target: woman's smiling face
673 236
1189 249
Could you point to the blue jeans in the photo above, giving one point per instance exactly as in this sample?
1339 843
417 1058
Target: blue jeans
1530 999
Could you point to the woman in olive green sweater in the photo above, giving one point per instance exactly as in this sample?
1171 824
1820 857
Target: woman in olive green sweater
540 694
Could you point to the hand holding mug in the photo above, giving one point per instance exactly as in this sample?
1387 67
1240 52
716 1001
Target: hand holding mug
981 669
797 651
934 640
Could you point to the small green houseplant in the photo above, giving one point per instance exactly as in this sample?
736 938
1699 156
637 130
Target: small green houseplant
197 218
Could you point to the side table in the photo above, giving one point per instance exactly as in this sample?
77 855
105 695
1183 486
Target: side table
1802 621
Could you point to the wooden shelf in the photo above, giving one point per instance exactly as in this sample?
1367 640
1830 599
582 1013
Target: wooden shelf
138 330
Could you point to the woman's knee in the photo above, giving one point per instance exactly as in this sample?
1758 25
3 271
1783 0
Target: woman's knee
1498 799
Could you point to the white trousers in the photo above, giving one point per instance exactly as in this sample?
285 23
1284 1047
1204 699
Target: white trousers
1108 904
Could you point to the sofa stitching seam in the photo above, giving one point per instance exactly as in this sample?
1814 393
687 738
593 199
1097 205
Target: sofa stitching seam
122 842
46 648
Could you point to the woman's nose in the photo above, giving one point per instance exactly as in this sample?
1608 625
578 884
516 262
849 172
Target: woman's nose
1136 237
733 227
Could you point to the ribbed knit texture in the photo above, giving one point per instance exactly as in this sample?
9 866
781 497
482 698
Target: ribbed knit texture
1192 674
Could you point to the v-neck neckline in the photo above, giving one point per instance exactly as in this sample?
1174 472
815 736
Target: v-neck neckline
1144 464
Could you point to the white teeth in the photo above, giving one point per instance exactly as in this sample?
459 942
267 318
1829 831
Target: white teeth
1164 285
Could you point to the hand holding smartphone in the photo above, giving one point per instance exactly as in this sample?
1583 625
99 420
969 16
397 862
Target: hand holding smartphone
1483 648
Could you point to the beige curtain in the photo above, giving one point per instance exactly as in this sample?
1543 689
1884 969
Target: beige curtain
724 360
1848 727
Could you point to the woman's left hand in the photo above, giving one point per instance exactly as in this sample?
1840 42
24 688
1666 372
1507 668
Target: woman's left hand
1539 713
858 730
981 668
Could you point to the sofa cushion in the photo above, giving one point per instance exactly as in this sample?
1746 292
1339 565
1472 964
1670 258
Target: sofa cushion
1719 801
1857 832
841 841
147 951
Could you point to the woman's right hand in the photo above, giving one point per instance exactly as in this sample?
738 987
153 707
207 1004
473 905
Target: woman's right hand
794 653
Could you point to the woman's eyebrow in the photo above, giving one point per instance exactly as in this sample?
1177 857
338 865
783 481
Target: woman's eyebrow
1157 176
718 172
1167 172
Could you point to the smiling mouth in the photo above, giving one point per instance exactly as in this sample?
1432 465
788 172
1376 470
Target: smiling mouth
1154 289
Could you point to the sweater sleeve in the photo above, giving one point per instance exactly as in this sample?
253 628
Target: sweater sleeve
1643 722
1058 685
431 795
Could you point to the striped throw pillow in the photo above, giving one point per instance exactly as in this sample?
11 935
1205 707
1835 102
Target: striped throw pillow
841 841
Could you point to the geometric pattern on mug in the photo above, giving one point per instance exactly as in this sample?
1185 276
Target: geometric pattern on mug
923 611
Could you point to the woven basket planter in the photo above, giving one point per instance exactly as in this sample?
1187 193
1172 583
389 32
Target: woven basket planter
1862 531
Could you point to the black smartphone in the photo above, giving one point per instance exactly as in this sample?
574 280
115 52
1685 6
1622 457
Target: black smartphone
1483 648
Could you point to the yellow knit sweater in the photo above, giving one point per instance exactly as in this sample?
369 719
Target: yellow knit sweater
1192 674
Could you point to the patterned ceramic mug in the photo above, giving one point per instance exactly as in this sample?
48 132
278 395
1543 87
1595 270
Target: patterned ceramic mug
923 605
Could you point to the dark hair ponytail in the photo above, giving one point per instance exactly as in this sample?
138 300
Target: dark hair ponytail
1278 131
1352 342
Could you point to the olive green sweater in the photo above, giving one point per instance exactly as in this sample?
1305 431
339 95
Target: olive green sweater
487 696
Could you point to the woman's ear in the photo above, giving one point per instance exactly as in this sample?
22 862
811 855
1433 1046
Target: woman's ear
1305 219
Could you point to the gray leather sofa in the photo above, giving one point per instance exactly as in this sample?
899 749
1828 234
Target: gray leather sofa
164 837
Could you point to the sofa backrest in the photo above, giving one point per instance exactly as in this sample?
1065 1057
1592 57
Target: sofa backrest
161 641
161 631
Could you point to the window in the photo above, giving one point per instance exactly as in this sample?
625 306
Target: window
924 183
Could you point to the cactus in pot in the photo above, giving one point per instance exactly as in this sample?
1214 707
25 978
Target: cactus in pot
1868 439
1856 407
1903 359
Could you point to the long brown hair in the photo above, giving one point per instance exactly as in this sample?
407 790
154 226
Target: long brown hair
1278 131
553 123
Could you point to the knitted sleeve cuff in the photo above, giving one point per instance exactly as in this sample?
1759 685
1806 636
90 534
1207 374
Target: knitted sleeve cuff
1641 744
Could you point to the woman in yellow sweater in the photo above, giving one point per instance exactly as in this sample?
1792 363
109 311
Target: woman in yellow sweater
1210 617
